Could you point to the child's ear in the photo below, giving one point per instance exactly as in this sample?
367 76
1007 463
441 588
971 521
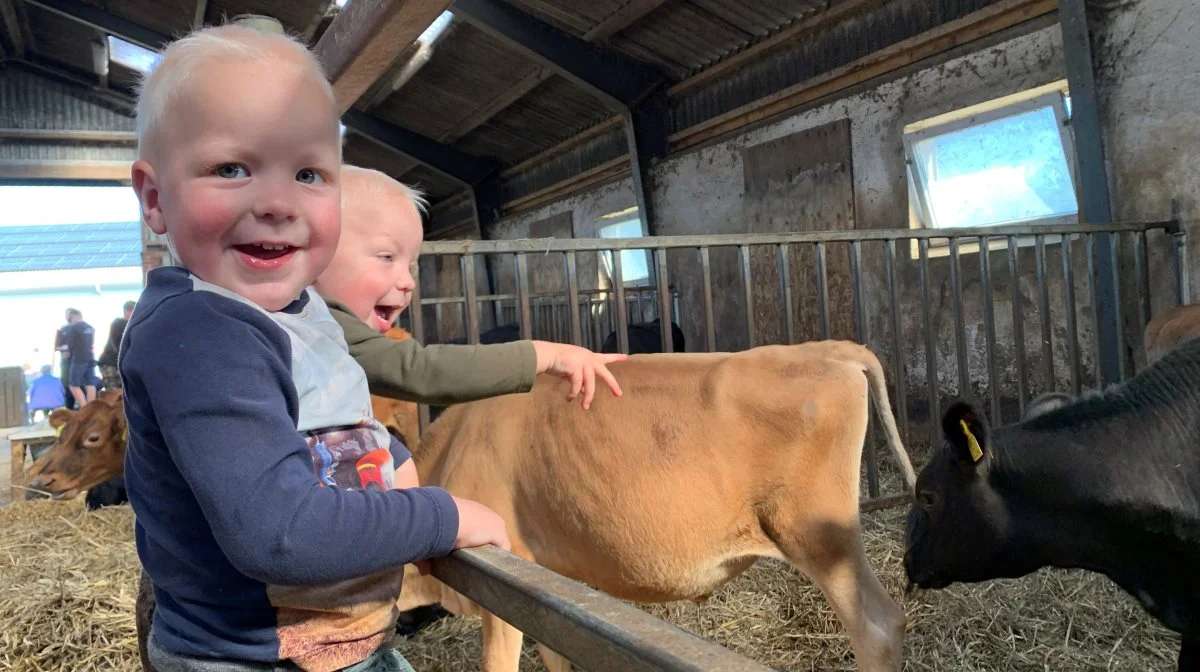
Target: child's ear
967 432
146 188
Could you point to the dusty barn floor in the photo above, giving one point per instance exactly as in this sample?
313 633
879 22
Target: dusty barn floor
68 583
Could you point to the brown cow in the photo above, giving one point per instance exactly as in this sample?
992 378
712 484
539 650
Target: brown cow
706 463
1171 328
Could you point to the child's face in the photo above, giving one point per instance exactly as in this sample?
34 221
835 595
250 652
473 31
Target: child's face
372 271
246 181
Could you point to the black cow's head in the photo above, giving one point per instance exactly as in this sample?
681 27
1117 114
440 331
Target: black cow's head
960 528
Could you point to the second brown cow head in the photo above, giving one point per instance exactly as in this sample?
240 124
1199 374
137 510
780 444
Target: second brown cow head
90 448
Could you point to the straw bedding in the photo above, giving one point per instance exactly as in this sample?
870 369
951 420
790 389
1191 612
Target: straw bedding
68 580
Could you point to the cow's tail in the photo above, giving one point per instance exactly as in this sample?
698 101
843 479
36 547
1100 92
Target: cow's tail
883 406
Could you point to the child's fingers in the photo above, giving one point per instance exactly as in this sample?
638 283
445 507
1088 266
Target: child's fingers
608 377
576 384
610 358
589 387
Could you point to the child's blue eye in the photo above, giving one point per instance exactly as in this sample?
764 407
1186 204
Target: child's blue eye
307 176
231 171
385 257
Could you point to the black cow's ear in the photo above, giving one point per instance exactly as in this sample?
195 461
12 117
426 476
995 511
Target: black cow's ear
967 431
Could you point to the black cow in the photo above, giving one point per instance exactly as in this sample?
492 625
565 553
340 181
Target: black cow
505 333
1108 482
645 338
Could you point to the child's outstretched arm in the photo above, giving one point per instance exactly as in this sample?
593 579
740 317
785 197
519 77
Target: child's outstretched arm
455 374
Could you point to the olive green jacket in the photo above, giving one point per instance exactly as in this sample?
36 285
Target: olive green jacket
438 375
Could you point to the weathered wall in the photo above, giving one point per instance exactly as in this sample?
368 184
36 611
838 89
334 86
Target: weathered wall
705 191
1147 75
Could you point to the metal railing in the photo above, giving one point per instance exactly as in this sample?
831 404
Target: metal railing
592 629
550 313
875 284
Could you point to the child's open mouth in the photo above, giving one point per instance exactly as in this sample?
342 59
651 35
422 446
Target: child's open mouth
385 316
265 255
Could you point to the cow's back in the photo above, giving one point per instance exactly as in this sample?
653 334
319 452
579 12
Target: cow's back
709 439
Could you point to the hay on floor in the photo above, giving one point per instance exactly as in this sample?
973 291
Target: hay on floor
68 581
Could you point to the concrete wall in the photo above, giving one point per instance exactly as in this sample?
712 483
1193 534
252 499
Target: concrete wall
705 191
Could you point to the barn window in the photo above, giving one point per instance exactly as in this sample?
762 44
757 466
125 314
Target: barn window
1007 161
634 267
132 56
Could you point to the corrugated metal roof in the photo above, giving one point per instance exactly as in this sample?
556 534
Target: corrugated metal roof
68 246
38 103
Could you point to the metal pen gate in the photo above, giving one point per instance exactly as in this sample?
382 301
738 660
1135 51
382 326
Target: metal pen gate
874 264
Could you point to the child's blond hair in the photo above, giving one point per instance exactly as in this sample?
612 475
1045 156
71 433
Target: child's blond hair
214 44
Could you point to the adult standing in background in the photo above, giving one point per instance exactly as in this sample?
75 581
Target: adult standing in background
64 357
108 358
81 365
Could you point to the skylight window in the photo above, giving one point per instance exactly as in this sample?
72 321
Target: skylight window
132 56
435 29
342 3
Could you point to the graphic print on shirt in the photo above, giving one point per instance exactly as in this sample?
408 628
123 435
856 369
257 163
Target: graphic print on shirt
349 458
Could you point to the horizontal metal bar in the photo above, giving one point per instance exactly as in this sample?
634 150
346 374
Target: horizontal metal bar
590 628
545 245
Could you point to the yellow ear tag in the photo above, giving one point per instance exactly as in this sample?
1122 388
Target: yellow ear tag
972 444
58 431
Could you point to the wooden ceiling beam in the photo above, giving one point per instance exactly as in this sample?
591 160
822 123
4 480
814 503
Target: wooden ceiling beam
622 19
10 23
366 37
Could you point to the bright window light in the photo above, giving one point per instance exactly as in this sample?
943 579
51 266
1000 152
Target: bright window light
341 3
435 29
1007 164
132 56
634 267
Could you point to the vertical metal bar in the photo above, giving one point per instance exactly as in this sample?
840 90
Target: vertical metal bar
931 375
898 355
1141 273
1069 307
710 324
1183 289
989 326
785 278
437 322
622 307
960 336
1044 308
1018 320
664 300
416 314
860 334
468 279
1114 262
1093 180
526 318
751 336
573 300
822 290
1090 250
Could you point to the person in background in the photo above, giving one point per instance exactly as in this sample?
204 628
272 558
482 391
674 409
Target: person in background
81 364
60 346
45 393
108 358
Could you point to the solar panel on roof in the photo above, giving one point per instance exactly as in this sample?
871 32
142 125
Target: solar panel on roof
70 246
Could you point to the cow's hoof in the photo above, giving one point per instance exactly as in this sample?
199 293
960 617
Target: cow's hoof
415 620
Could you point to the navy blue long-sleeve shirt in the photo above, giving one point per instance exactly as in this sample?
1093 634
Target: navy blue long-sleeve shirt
262 486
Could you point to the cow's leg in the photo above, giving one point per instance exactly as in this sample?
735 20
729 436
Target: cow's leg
1189 654
501 644
832 554
553 661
